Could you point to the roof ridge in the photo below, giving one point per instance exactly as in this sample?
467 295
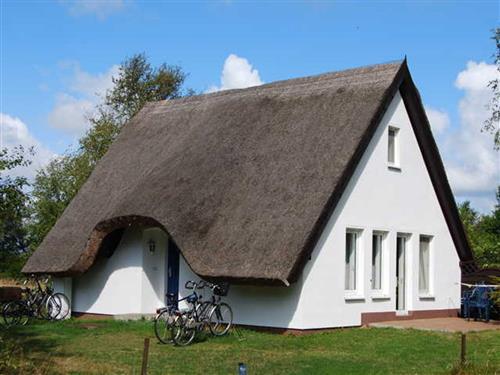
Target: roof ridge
326 76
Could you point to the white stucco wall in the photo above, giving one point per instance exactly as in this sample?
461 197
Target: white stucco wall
129 282
376 199
153 271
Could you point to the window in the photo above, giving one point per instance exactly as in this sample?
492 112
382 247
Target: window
424 265
392 147
351 239
401 272
377 242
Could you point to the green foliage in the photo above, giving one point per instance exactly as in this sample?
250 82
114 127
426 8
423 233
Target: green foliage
483 232
138 82
56 185
491 125
495 294
14 210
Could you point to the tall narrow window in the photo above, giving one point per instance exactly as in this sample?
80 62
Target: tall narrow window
351 239
392 147
424 265
377 241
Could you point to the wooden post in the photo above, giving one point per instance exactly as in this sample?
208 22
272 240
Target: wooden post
463 350
145 353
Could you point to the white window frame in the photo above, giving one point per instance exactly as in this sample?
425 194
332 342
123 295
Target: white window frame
358 292
382 292
395 164
428 292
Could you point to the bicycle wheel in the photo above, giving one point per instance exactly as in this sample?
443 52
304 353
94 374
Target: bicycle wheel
46 307
220 319
60 308
163 327
204 310
183 330
15 313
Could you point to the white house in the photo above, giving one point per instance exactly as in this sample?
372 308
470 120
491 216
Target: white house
322 200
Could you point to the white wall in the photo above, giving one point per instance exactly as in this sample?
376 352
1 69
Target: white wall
376 199
153 267
112 286
129 282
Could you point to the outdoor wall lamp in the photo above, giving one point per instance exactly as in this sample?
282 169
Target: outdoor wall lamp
152 246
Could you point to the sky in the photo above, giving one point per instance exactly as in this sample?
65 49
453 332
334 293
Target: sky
57 59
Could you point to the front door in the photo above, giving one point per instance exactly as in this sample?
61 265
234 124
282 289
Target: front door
172 267
401 273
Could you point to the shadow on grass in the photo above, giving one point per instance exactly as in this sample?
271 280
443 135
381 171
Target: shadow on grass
26 350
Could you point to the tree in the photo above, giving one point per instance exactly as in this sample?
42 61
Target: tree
56 185
491 125
483 232
138 83
14 210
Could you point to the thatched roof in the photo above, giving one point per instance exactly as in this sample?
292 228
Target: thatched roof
243 180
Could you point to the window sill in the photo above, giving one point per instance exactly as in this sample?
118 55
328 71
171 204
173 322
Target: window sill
394 167
380 296
426 297
354 297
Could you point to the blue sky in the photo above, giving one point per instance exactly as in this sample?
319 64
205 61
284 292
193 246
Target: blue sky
56 54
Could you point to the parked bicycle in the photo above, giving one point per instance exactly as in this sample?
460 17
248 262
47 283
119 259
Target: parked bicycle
38 302
173 325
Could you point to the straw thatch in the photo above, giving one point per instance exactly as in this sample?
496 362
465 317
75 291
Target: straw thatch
243 180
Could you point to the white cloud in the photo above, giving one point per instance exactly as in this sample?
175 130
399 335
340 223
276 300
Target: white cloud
477 76
14 132
70 114
472 165
99 8
237 73
89 84
71 111
439 120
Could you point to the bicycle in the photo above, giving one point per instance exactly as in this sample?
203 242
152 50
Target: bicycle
37 303
217 315
166 317
221 315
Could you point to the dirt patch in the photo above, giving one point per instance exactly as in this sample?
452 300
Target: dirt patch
90 326
442 324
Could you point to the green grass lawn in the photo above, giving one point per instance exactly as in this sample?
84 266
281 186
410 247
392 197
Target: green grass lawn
113 347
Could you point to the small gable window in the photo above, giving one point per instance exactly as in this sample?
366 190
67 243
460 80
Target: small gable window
393 147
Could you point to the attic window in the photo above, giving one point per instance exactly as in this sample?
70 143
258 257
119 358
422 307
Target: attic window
393 148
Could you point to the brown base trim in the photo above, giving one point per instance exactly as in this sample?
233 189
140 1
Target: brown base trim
367 318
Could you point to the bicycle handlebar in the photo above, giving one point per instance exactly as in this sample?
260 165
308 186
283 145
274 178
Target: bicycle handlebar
190 284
